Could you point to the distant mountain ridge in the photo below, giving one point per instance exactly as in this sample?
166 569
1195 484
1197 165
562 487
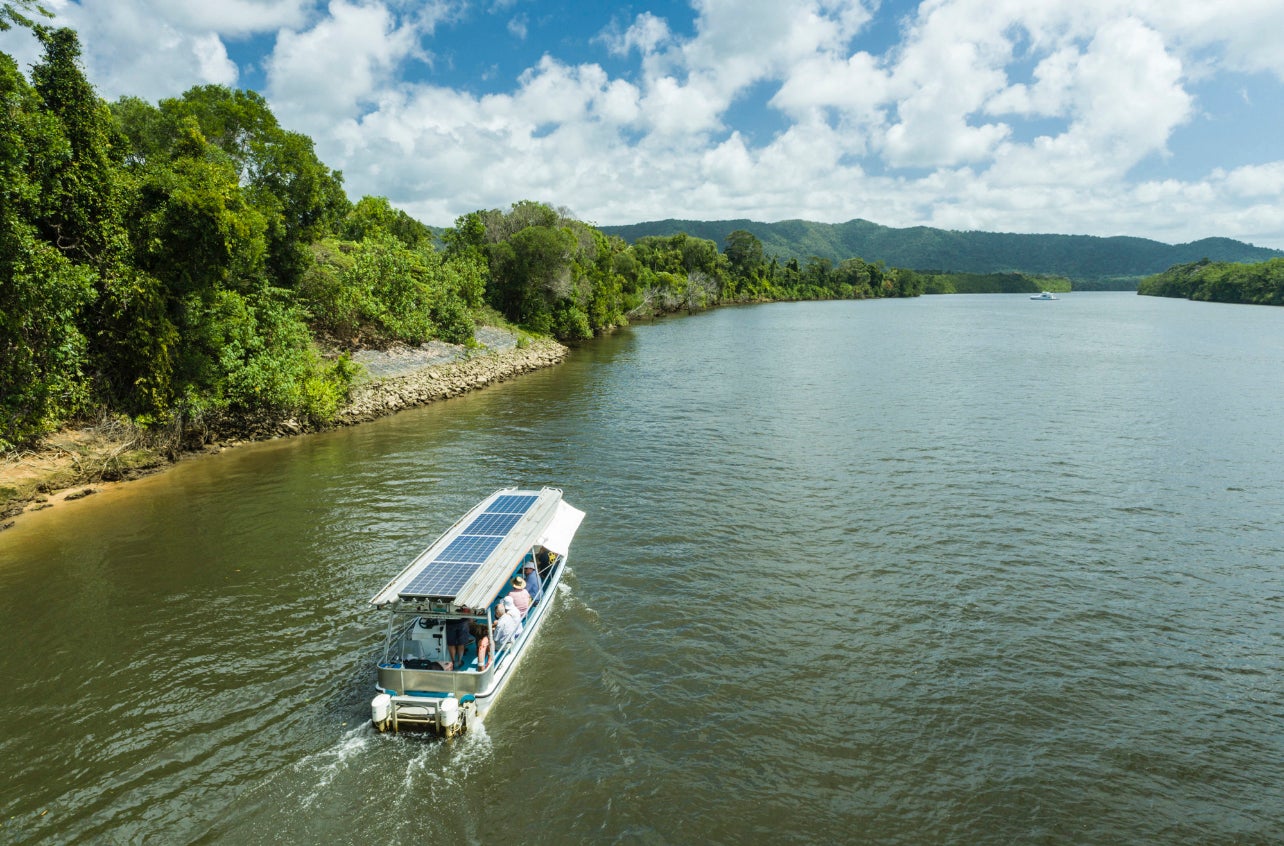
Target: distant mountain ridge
924 248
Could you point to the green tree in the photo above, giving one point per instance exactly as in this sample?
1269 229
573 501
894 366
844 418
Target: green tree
302 199
371 215
745 255
192 227
78 212
238 122
399 291
604 300
1260 283
378 290
140 344
43 296
818 273
142 131
194 237
854 276
14 13
467 237
299 198
42 350
530 272
335 305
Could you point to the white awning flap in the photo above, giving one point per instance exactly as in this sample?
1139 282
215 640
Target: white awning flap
557 537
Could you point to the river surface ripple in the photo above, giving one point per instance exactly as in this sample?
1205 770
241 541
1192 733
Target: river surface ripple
967 570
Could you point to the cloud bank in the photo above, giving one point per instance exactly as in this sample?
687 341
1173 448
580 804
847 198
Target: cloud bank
1074 116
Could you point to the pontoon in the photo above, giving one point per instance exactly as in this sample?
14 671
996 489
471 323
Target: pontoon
464 575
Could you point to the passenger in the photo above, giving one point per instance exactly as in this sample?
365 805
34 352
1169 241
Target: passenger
510 605
485 650
518 594
457 640
508 625
533 585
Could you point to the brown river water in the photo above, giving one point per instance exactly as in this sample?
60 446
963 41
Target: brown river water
958 570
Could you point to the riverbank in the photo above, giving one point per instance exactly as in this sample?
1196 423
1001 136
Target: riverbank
75 463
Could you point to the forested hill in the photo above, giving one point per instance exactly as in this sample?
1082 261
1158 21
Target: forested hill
1080 257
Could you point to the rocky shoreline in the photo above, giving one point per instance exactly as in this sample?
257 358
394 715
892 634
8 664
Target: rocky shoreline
76 463
421 385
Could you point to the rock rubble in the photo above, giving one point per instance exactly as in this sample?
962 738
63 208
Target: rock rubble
385 395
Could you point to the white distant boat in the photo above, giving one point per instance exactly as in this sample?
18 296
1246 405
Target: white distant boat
463 576
1046 295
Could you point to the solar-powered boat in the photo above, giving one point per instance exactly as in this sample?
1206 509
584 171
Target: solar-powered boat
463 576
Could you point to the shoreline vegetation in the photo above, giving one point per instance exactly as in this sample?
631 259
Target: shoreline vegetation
78 462
1261 283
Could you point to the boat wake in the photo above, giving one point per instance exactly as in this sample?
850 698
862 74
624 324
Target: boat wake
567 597
431 766
448 764
329 763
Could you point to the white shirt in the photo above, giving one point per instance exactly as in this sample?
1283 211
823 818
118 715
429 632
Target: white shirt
507 628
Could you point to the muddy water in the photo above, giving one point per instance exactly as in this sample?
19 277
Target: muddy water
952 570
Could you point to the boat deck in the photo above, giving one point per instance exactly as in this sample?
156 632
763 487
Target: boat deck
469 664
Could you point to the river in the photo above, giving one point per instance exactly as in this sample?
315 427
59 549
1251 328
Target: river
959 570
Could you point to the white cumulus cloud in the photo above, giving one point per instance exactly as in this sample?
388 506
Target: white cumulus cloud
995 114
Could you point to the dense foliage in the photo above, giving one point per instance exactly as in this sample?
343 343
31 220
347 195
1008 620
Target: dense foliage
176 262
937 282
1108 263
191 264
1222 282
557 275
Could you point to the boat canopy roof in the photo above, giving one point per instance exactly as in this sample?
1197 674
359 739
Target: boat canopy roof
472 561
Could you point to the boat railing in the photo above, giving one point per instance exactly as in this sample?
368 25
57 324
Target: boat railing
400 668
433 682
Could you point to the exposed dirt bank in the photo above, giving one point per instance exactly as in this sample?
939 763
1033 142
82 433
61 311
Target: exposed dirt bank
75 463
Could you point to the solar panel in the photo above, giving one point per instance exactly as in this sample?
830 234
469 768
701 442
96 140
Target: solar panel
440 579
446 574
512 504
492 524
470 548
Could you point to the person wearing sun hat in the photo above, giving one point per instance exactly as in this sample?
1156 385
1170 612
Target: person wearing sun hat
518 594
531 572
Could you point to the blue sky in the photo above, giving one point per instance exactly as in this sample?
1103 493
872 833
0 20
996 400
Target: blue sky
1155 118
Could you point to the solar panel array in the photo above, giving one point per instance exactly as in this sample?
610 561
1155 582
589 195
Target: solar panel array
444 575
